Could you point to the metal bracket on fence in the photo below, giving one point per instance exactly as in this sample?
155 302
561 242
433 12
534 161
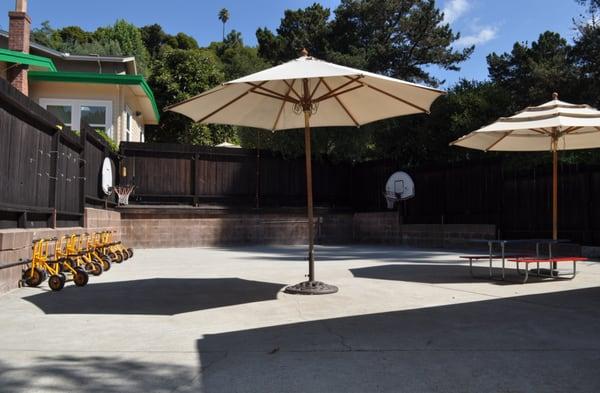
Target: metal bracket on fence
32 160
52 152
51 177
82 178
81 159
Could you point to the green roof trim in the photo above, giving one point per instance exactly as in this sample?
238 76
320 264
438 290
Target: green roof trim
39 62
107 79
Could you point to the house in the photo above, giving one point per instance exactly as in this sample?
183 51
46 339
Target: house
105 92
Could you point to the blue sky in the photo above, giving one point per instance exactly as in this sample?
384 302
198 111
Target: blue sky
492 25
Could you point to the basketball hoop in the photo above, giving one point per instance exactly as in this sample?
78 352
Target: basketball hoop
123 193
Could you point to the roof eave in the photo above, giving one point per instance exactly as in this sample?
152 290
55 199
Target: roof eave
110 79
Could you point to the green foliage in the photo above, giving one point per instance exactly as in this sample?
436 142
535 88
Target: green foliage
586 56
130 40
533 72
176 76
398 38
236 59
111 143
120 39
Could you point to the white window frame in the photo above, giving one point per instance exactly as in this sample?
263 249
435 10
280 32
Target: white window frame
128 131
76 111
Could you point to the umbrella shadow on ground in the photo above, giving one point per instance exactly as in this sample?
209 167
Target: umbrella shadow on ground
156 296
343 253
74 373
441 274
483 346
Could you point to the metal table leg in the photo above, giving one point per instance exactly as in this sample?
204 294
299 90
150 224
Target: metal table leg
491 250
502 250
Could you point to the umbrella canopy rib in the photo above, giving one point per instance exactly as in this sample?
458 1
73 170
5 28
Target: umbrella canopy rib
312 94
342 105
499 140
270 93
291 86
395 97
283 105
340 87
227 104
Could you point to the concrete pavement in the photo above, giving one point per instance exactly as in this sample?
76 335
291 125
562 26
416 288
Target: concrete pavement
216 320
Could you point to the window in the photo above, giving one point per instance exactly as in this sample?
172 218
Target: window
94 116
63 113
74 113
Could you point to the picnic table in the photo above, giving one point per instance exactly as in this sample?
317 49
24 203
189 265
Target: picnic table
519 258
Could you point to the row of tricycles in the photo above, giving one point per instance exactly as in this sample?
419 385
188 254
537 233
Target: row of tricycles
73 258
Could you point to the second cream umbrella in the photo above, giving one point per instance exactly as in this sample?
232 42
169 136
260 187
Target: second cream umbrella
553 126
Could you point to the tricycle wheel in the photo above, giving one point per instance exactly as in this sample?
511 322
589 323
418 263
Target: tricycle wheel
105 264
114 257
80 278
97 270
33 277
119 256
56 282
130 252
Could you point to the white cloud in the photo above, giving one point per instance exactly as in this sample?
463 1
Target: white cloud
454 9
485 34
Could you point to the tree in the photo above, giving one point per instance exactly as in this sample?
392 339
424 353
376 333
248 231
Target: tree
303 28
130 40
531 73
586 56
399 38
180 74
593 5
153 37
46 35
224 17
182 41
237 60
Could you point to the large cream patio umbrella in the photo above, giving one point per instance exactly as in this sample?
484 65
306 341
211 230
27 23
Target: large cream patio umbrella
325 94
553 126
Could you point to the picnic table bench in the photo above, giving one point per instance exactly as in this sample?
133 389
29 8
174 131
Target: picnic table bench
552 271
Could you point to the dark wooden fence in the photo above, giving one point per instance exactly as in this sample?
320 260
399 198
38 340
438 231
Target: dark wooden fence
165 173
47 175
517 201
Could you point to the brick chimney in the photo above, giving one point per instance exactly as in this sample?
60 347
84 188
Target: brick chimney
18 40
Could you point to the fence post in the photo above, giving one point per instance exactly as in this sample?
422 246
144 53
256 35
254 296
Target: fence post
53 194
194 171
82 177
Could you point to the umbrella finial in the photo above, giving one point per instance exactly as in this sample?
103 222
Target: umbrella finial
555 96
304 52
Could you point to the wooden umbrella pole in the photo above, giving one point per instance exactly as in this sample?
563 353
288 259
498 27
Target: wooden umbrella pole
309 197
555 189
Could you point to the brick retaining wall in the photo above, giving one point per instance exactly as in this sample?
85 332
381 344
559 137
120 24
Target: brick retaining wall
163 228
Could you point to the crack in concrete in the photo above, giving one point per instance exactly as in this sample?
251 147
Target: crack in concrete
203 370
339 336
